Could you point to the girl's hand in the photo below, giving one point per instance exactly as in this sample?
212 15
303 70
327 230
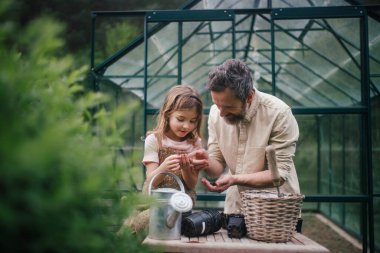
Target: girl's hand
171 163
186 163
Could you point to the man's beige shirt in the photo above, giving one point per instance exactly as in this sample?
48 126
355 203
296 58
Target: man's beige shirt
241 148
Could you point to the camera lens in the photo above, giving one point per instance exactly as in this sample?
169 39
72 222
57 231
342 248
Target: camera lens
202 223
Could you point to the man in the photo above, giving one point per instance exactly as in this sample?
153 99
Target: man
242 123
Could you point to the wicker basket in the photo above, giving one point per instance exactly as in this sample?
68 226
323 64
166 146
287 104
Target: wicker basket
271 218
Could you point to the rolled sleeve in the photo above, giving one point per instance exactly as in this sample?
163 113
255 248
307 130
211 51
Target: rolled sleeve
150 150
284 139
213 148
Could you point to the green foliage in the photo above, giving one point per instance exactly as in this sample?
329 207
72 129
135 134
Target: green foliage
55 166
76 15
119 35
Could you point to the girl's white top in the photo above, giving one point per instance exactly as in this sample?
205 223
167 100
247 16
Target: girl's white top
152 147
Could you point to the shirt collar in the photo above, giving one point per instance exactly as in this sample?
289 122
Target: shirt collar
251 112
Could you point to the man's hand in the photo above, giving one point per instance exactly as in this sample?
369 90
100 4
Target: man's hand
199 159
220 185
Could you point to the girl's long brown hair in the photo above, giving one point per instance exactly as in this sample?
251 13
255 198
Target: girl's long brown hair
179 97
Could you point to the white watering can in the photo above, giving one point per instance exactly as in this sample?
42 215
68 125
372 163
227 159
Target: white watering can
164 217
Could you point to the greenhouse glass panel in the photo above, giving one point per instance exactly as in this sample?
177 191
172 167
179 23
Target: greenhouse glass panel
376 212
184 53
318 62
116 35
303 3
306 156
240 4
253 43
235 4
205 44
375 86
331 143
374 56
351 214
162 62
157 89
151 121
340 155
129 71
375 121
113 33
347 215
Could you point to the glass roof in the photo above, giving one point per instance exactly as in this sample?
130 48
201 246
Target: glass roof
317 60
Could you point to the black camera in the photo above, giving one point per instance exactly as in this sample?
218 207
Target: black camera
235 225
201 223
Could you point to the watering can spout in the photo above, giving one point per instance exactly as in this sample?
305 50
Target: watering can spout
171 219
180 202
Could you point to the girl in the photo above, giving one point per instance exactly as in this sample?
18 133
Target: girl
166 147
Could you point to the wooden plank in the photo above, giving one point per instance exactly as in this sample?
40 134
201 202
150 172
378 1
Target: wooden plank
225 236
202 239
218 237
193 240
246 240
220 243
295 241
185 239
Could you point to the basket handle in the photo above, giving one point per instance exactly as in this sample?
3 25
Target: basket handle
272 164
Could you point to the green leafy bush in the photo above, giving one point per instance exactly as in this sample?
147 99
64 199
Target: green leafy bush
55 164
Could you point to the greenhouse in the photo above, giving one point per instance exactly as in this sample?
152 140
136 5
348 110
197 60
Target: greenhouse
321 57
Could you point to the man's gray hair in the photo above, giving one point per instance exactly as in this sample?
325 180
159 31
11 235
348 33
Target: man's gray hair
233 74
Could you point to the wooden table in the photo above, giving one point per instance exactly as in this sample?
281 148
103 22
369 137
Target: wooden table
220 243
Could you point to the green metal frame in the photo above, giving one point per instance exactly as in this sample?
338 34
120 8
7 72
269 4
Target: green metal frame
362 108
179 17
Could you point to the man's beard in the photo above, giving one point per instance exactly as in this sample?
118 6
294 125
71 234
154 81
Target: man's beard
236 119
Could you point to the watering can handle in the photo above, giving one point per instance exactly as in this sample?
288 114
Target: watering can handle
169 174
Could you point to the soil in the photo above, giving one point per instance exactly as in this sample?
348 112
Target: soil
323 234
